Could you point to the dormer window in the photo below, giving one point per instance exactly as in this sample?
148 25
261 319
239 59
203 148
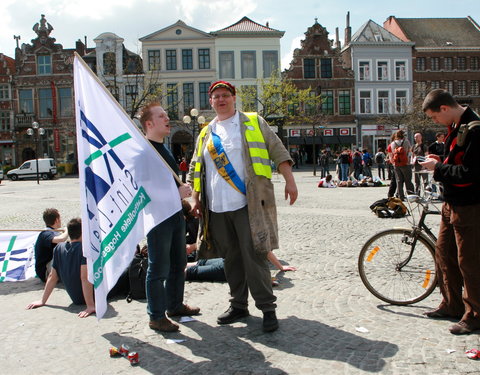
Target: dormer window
44 64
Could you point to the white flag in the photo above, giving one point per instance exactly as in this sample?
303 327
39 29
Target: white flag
126 188
17 255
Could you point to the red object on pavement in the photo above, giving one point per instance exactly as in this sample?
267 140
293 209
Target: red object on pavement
133 358
473 354
124 349
114 352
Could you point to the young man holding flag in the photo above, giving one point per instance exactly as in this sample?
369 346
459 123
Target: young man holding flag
167 258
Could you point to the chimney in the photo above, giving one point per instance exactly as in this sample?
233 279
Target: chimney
337 38
348 30
80 47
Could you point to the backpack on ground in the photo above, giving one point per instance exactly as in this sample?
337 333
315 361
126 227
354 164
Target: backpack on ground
400 157
137 273
389 207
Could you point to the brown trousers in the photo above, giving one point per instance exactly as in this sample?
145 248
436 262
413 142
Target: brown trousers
245 269
458 260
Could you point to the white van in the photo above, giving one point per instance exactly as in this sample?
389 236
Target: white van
46 170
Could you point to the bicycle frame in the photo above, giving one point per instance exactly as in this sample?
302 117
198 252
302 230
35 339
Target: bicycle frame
417 230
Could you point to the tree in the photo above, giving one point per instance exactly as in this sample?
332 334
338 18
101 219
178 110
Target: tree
411 117
277 96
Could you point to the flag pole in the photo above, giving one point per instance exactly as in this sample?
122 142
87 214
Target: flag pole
85 65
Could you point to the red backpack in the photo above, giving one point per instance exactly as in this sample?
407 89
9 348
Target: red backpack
400 157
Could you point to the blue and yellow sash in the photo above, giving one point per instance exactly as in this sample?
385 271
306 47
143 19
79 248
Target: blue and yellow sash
223 164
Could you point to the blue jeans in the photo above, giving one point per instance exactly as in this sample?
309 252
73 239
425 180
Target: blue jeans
207 270
344 171
167 259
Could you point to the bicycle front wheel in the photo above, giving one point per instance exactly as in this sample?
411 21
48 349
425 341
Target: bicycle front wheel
398 268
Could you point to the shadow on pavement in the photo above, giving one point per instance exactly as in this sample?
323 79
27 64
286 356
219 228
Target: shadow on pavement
29 285
228 350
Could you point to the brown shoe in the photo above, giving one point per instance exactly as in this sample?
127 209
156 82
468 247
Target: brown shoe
440 313
185 310
464 328
163 325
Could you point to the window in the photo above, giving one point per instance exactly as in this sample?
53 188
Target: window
172 101
327 102
4 92
249 65
4 121
44 64
171 57
270 63
109 63
474 88
131 90
364 70
462 88
420 63
154 59
226 65
435 85
449 86
401 101
461 63
204 58
383 102
308 68
45 102
203 90
421 88
400 70
25 99
65 101
448 63
435 63
474 63
188 98
310 107
344 104
249 104
382 70
365 102
187 59
325 68
115 91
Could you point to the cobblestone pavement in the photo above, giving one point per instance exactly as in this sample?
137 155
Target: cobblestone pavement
320 306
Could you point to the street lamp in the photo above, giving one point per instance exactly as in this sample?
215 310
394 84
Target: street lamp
36 132
197 120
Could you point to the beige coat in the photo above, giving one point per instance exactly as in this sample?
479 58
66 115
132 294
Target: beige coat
262 210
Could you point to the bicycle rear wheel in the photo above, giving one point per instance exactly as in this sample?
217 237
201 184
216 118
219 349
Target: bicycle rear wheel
388 274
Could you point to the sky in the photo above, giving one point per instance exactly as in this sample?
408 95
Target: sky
133 19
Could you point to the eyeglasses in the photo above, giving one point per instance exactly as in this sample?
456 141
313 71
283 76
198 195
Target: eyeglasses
223 96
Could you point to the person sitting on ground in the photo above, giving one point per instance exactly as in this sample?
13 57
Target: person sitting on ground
213 269
70 266
327 182
46 241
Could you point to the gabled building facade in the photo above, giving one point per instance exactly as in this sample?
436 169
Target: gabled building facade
318 65
446 55
7 145
383 81
247 51
43 93
181 61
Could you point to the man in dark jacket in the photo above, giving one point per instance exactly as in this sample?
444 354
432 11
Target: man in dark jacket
457 257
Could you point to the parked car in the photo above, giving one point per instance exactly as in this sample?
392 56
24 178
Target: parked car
46 170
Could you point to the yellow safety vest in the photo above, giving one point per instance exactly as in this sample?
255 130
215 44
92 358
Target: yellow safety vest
256 146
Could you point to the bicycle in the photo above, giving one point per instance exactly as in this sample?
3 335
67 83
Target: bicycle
398 265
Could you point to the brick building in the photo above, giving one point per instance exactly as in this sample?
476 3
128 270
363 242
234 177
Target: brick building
446 55
318 64
7 70
43 93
